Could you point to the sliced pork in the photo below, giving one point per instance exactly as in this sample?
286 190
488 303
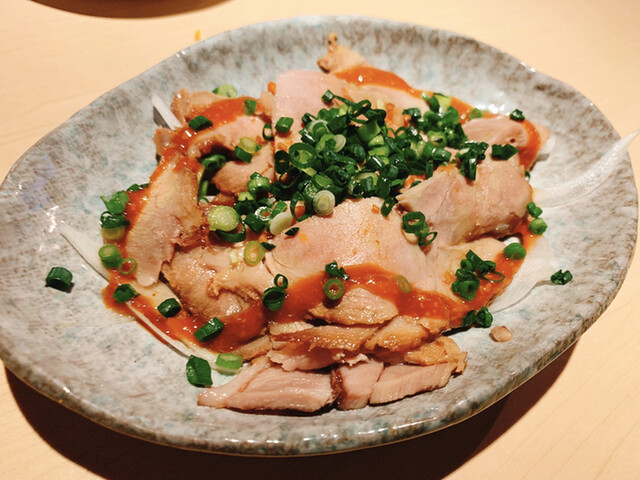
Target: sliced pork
461 210
170 216
399 381
354 384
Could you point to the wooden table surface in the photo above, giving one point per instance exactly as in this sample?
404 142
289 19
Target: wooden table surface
577 419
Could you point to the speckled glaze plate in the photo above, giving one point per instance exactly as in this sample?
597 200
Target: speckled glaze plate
113 371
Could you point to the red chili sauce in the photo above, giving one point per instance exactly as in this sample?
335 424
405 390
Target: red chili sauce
309 292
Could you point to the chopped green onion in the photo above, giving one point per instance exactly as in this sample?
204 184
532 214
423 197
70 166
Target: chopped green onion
292 231
475 113
484 318
281 222
229 361
124 293
209 330
213 162
537 226
258 185
59 278
113 234
250 106
268 246
127 266
328 96
242 155
561 277
253 252
248 145
403 284
334 288
137 186
534 210
516 115
323 202
273 298
203 188
109 220
281 281
283 125
369 130
503 152
169 308
334 271
226 90
117 204
267 132
223 217
514 251
200 123
110 255
233 236
198 372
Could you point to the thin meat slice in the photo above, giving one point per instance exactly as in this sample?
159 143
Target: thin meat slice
501 130
354 384
339 57
354 234
275 389
357 307
329 337
293 356
441 350
170 216
299 92
461 210
399 381
217 396
400 334
187 105
191 271
232 178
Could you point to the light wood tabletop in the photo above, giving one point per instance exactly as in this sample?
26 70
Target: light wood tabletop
577 419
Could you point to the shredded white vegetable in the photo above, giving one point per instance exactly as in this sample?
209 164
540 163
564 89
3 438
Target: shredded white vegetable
535 268
165 112
588 181
156 293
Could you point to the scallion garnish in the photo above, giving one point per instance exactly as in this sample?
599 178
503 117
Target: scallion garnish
268 246
169 308
514 251
223 217
481 318
226 90
534 210
503 152
242 155
267 132
333 288
516 115
328 96
127 266
273 297
253 252
335 271
200 123
537 226
415 222
323 202
124 293
213 162
283 125
248 145
229 361
110 255
209 330
291 232
281 222
475 113
250 106
117 204
403 284
59 278
137 186
198 372
561 277
472 269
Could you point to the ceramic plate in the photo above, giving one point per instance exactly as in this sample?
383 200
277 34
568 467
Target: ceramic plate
110 369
